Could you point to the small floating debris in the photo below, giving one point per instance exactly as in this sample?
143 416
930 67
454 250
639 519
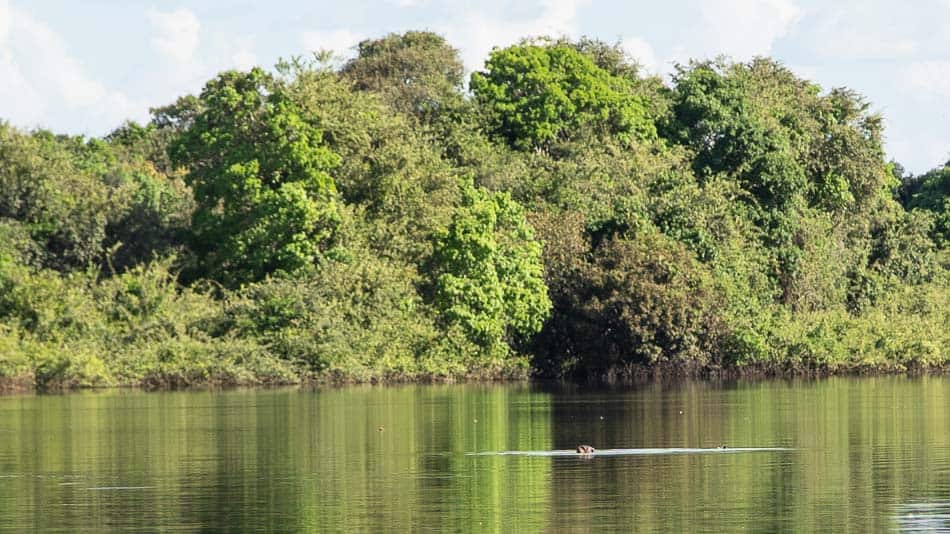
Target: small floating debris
634 452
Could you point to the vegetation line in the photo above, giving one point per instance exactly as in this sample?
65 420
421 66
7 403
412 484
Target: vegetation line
559 216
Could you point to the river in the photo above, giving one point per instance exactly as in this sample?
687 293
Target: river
837 455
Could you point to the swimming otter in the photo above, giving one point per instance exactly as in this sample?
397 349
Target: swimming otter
585 449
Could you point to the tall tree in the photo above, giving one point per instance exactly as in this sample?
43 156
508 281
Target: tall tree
537 93
489 272
260 175
51 185
417 72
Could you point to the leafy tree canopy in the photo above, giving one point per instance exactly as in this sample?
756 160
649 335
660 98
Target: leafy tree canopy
932 193
51 185
417 72
489 271
537 93
265 200
787 144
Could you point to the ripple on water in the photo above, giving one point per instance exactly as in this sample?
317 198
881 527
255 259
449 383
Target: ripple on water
924 517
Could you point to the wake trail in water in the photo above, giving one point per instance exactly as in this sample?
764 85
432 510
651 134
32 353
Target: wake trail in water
633 452
120 488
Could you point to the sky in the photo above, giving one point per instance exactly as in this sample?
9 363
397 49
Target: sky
86 67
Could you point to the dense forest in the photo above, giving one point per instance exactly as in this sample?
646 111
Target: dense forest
556 214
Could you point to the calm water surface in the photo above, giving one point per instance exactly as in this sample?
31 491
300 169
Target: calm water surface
868 455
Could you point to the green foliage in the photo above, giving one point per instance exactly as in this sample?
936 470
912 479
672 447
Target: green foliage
888 336
147 143
354 320
387 169
15 365
716 111
637 301
17 246
612 58
154 220
488 271
416 73
374 222
931 192
265 200
652 301
535 94
136 328
57 197
799 158
785 143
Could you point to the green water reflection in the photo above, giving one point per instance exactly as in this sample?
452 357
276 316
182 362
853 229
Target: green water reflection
869 455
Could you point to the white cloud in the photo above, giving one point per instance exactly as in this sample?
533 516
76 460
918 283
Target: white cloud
916 133
43 82
804 71
847 43
745 28
176 34
849 30
492 25
927 79
244 59
16 88
642 52
225 51
920 153
191 55
4 21
337 41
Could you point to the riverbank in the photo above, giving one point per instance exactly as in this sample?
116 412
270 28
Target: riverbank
515 372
